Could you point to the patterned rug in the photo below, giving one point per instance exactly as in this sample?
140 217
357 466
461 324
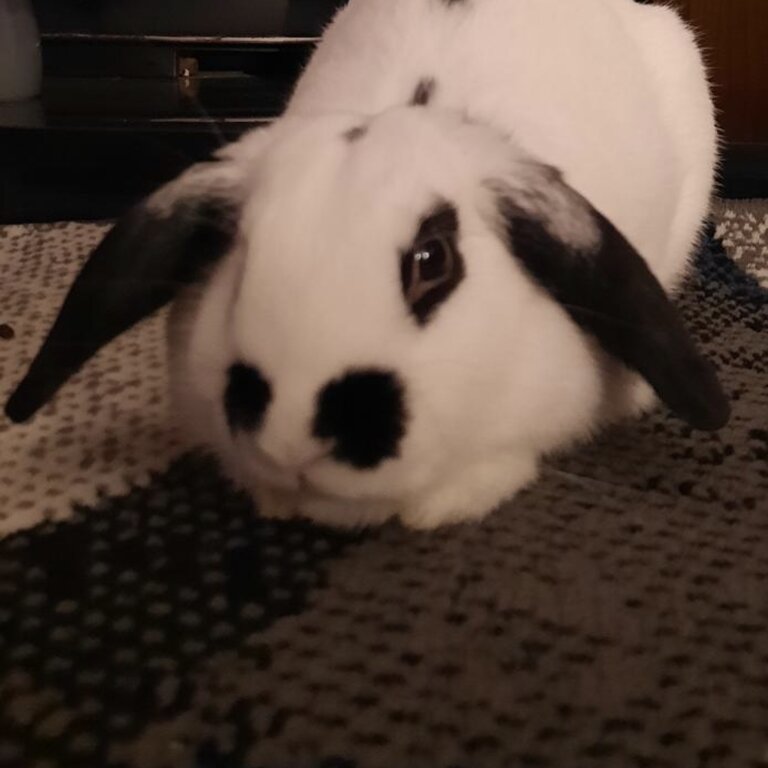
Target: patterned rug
614 614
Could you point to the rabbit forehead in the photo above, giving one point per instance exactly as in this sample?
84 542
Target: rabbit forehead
376 159
328 221
337 198
323 202
320 194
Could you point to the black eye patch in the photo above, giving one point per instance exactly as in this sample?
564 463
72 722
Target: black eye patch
432 267
246 397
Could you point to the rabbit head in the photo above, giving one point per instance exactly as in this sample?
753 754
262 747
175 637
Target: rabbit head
364 305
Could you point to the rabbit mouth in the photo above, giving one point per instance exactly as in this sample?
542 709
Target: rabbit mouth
308 479
308 486
259 467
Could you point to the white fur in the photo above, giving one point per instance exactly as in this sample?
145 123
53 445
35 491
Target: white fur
611 93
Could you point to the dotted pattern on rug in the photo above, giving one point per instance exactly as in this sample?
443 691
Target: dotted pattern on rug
104 619
743 230
108 428
614 614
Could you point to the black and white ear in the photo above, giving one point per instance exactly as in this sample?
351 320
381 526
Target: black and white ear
574 253
162 244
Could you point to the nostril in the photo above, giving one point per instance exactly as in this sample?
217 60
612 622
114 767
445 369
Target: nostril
246 397
364 413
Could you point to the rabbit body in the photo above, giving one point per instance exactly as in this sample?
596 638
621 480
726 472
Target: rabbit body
448 258
611 93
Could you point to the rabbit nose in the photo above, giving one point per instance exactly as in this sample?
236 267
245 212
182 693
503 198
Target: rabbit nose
363 414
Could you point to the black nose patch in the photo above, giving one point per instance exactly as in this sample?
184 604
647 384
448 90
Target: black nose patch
364 413
246 397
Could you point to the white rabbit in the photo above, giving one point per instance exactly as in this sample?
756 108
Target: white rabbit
447 258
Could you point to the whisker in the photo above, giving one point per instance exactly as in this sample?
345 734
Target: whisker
190 93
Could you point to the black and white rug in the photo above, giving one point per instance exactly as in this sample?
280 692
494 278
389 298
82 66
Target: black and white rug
615 614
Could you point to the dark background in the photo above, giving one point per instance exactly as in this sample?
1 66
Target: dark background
117 116
185 17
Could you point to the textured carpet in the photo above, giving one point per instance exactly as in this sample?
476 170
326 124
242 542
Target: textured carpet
615 614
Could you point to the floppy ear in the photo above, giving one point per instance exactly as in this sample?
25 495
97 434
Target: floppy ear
161 245
574 253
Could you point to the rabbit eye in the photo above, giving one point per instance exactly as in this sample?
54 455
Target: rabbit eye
432 267
426 267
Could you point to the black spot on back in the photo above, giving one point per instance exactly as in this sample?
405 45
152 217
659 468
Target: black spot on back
356 133
423 92
364 413
246 397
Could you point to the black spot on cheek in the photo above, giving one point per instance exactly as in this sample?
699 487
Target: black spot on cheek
246 397
423 92
364 414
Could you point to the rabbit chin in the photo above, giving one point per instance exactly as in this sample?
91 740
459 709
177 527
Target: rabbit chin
318 493
470 495
326 509
311 493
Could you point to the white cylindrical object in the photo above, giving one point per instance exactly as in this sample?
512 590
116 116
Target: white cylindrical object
21 64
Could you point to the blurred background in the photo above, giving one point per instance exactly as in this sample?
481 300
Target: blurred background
132 91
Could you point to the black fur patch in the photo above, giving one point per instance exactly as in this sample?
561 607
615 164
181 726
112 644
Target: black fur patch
424 91
356 133
442 222
364 413
246 397
610 293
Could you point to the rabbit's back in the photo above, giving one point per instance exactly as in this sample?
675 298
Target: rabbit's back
576 84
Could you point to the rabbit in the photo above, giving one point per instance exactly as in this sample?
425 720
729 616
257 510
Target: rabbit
450 256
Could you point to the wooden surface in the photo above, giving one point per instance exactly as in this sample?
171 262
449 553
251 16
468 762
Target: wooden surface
735 36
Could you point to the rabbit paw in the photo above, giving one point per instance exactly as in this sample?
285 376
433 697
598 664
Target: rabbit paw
471 494
346 513
627 396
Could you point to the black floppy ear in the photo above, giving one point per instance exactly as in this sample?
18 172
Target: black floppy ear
578 256
161 245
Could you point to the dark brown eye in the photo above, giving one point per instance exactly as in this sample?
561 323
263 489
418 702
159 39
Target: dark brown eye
433 260
425 267
429 272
